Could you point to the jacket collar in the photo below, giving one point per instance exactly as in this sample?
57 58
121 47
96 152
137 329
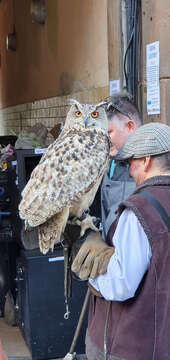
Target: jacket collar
154 181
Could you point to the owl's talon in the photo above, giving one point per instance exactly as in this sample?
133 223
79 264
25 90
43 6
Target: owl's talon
87 223
74 221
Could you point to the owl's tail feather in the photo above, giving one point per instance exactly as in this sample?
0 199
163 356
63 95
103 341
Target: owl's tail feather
50 232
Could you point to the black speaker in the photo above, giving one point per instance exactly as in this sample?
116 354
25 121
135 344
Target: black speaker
41 305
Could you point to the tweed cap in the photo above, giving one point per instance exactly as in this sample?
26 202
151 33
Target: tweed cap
148 140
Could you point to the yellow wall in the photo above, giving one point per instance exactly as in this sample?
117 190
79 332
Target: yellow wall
67 54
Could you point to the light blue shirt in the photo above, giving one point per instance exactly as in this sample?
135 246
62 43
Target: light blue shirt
129 262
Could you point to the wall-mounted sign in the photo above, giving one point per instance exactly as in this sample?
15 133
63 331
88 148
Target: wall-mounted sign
114 87
152 74
40 151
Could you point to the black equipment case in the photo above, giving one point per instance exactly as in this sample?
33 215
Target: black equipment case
42 305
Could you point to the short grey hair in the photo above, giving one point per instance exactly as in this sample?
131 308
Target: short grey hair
122 105
163 161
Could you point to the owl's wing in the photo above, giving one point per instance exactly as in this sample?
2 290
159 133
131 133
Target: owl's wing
68 169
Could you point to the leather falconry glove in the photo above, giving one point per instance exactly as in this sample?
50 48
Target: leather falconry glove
92 258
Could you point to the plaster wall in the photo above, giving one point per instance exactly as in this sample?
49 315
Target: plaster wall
65 55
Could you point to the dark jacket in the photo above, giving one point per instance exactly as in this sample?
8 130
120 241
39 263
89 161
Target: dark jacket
139 328
111 193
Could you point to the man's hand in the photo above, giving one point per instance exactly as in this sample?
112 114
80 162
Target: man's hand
92 258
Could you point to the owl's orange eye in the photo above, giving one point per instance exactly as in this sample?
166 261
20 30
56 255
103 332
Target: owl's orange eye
94 114
78 113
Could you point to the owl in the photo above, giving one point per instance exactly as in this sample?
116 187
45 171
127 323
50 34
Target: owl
64 183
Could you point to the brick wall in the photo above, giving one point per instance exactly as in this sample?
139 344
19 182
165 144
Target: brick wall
47 111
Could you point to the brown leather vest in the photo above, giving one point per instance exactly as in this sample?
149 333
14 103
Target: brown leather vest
139 328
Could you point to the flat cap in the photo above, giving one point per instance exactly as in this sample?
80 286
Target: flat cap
148 140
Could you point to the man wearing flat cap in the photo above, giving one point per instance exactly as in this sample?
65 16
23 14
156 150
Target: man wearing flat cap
129 274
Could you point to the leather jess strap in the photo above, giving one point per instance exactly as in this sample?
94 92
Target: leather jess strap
162 212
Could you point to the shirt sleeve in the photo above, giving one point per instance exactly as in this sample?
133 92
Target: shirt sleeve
129 262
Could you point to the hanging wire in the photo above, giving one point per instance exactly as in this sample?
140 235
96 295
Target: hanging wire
130 65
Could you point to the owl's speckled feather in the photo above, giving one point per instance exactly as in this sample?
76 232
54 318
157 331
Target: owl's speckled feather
65 181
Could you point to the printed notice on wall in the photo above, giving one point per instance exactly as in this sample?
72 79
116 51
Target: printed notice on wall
114 87
153 83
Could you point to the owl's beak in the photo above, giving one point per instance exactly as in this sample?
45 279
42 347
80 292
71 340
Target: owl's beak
86 121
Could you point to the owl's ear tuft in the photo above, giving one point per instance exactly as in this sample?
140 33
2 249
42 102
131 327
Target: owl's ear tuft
73 101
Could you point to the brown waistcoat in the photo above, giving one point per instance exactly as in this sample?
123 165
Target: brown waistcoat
139 328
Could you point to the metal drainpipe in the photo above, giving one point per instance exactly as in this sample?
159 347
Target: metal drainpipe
123 29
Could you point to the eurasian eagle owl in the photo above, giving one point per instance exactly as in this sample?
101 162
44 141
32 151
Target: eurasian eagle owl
65 181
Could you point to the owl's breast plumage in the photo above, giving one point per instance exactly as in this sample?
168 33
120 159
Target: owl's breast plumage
68 169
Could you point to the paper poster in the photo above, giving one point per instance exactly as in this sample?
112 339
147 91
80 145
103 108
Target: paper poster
152 74
114 87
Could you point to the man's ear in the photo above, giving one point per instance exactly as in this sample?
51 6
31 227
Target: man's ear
131 125
147 160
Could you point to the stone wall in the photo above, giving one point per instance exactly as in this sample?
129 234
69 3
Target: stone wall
47 111
156 27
